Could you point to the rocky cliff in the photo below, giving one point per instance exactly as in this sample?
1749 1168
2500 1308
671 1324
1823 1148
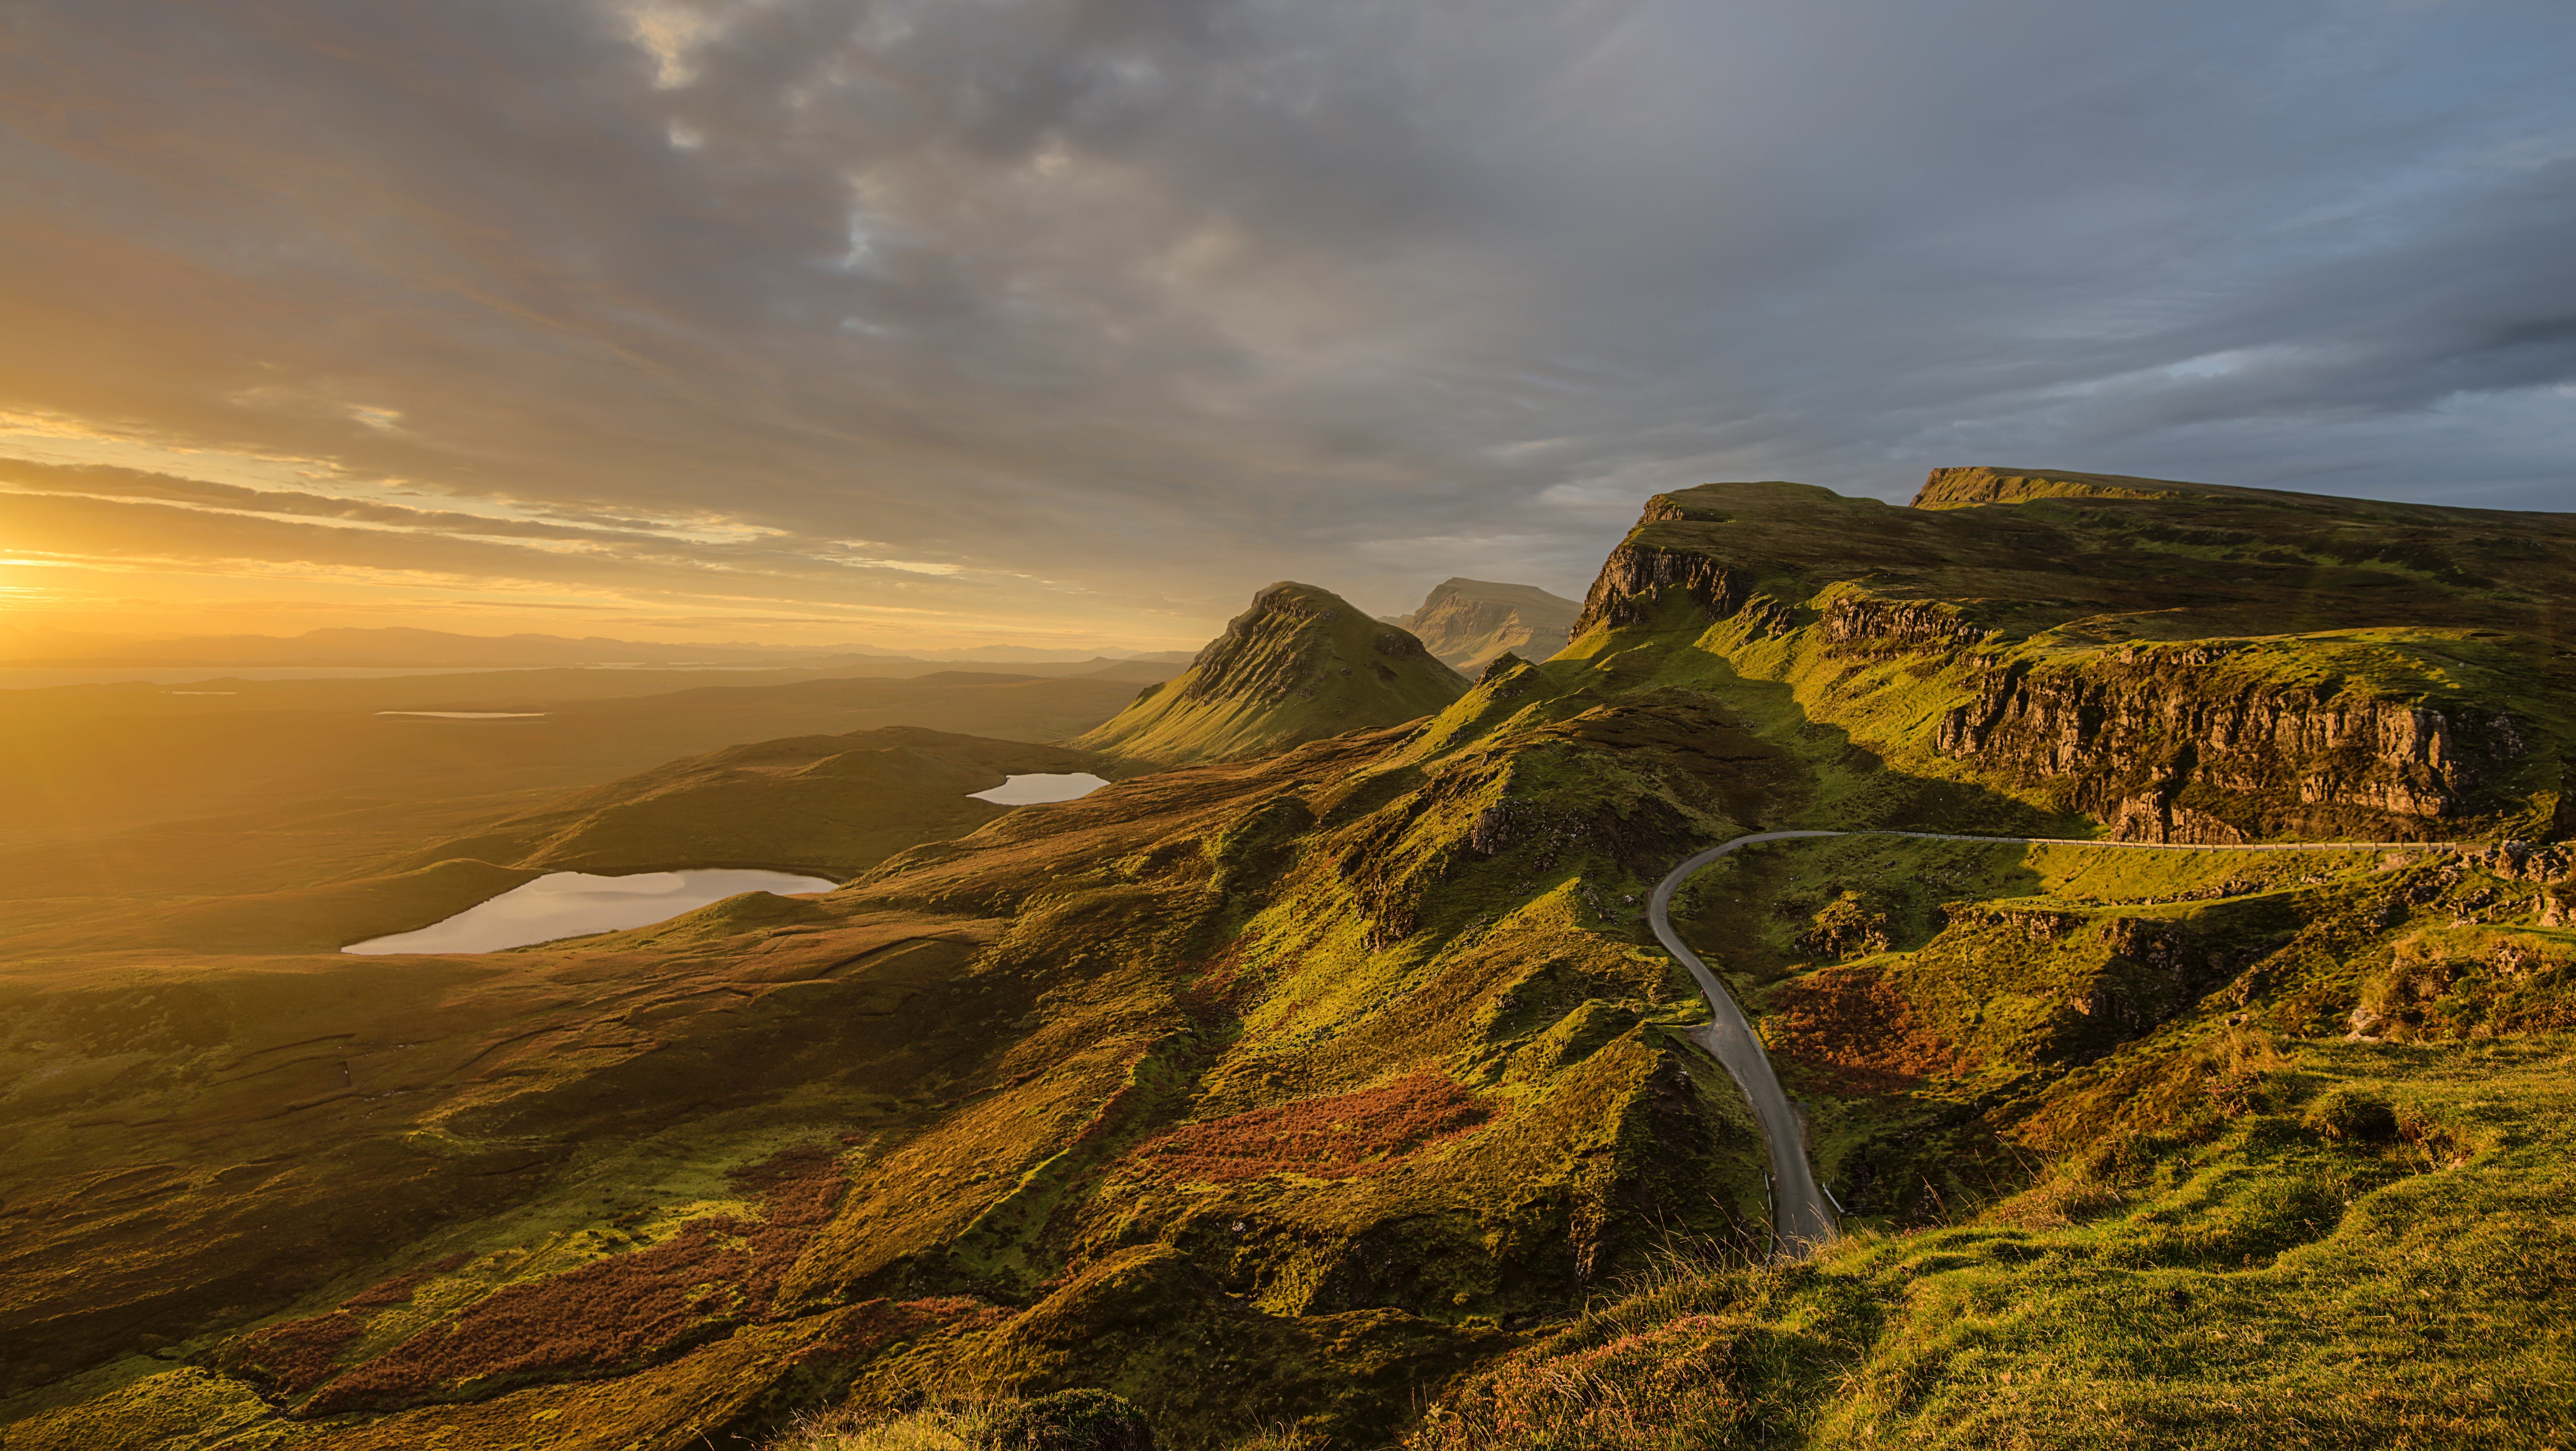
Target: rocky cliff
2177 662
2162 745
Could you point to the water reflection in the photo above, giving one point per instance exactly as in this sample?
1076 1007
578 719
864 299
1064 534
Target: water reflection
569 904
1031 790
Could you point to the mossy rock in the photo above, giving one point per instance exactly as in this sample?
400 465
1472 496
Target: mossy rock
1078 1420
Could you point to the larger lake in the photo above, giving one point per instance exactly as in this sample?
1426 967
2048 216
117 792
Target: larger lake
573 904
1033 790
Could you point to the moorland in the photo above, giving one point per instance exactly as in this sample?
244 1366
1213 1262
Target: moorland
1320 1080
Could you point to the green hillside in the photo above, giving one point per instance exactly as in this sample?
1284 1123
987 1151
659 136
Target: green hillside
1337 1096
1299 665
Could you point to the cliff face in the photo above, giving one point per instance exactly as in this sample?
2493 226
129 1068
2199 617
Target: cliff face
1636 577
2166 750
2178 662
1468 622
1299 665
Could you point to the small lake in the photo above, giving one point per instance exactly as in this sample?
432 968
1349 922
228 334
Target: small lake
571 904
1033 790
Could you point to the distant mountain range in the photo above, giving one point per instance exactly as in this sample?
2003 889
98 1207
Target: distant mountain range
399 647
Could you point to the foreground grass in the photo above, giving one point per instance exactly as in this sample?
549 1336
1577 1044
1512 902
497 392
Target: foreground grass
966 1426
2308 1271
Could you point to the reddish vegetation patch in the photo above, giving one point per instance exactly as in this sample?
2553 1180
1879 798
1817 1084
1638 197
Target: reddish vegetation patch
398 1290
1329 1138
1854 1033
615 1313
300 1354
875 1324
1218 991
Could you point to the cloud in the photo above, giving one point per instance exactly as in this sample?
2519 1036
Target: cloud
1128 306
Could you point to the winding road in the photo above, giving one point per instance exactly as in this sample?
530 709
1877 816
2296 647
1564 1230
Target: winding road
1801 1217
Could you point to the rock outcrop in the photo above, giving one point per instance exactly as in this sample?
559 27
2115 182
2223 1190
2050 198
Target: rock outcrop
2162 751
2181 662
1635 578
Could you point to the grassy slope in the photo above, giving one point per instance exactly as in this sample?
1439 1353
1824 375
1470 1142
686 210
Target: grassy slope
2211 1254
1285 1091
1245 957
1301 664
2240 1277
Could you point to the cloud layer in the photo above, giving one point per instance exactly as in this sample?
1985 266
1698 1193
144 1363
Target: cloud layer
1096 314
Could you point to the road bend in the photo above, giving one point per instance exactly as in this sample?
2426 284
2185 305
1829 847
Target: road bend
1801 1217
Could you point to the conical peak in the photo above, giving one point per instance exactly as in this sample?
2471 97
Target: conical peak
1301 663
1292 635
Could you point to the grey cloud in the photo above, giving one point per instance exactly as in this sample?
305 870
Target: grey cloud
1161 299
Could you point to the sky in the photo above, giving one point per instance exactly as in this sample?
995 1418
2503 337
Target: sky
1074 322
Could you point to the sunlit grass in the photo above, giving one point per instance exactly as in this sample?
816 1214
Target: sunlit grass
2379 1251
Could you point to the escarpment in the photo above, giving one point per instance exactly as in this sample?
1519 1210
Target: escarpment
1634 580
1865 625
2161 751
2178 662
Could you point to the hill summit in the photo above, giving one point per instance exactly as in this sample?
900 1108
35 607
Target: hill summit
1301 664
1468 622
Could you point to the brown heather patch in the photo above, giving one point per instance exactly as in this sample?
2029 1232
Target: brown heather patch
1337 1137
1855 1033
299 1354
1220 988
613 1314
398 1290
